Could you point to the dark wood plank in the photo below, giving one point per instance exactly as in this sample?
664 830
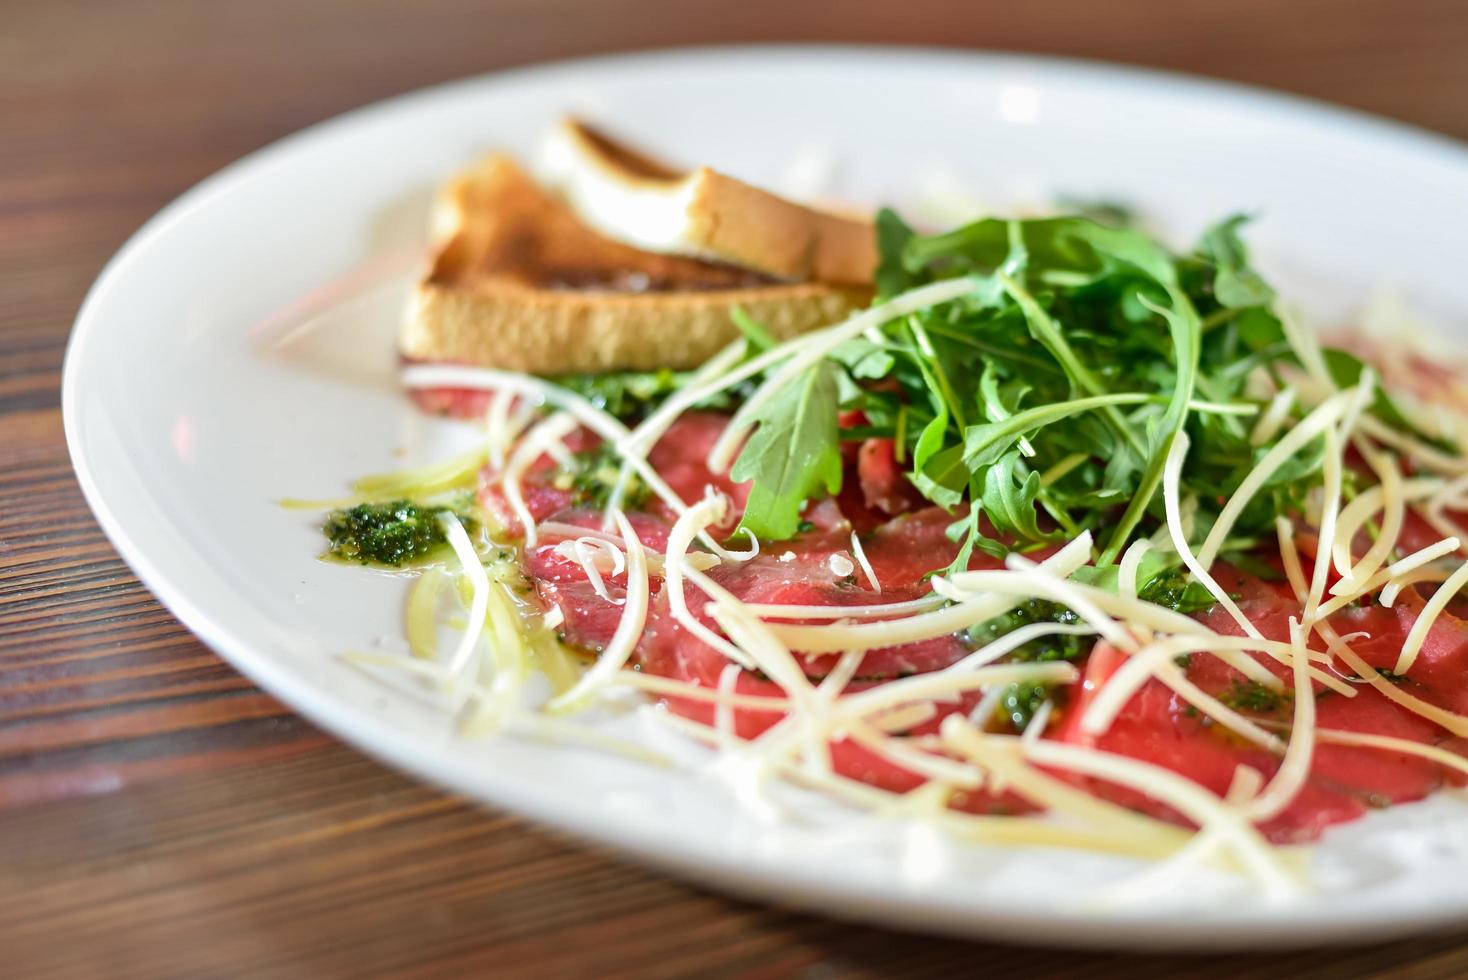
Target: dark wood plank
326 864
161 817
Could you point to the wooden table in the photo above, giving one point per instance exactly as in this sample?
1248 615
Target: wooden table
160 816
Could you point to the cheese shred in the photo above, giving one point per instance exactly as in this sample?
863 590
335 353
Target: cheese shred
799 667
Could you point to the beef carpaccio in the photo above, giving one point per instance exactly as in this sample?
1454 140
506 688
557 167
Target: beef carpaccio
1071 537
903 540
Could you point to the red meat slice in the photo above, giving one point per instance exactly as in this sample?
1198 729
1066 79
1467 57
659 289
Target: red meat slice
1157 727
680 457
1440 673
820 568
789 578
590 619
1345 781
883 481
542 497
459 403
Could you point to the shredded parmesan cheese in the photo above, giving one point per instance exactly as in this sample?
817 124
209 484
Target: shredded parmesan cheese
1294 769
866 566
535 444
629 627
473 571
505 636
1273 417
1311 427
1171 476
1434 607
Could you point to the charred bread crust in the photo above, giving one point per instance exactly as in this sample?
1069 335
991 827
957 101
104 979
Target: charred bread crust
519 283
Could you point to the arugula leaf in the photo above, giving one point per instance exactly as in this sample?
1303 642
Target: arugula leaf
893 234
864 359
985 444
1186 330
793 454
1009 497
759 338
1345 370
1235 284
940 473
625 394
1045 399
1104 211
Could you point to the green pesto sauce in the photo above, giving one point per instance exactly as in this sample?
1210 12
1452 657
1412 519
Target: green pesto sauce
1046 648
1020 701
1253 696
1177 591
592 475
389 535
633 395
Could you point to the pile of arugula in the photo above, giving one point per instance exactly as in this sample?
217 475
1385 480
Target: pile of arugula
1049 395
1046 398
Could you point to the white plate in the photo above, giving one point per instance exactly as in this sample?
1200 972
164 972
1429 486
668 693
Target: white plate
192 401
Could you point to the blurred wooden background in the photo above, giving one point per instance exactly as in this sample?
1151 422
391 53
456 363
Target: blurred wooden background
161 817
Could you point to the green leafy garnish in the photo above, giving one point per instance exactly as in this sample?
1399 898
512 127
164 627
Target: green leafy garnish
593 474
629 395
1235 285
758 338
1255 697
1021 700
1177 591
1046 398
1345 370
391 534
793 455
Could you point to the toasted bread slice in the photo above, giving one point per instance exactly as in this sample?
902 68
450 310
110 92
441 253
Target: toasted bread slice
520 283
703 213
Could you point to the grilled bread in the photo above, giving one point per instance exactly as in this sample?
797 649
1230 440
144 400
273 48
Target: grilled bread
702 213
520 282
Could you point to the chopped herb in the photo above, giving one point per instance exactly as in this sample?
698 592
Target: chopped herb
1177 591
1021 700
632 395
1253 696
1046 648
592 475
391 534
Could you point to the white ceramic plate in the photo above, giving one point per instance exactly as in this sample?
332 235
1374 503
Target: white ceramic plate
239 349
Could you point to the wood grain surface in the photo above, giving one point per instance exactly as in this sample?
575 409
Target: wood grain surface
160 816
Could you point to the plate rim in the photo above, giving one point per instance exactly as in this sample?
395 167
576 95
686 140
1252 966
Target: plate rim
802 891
